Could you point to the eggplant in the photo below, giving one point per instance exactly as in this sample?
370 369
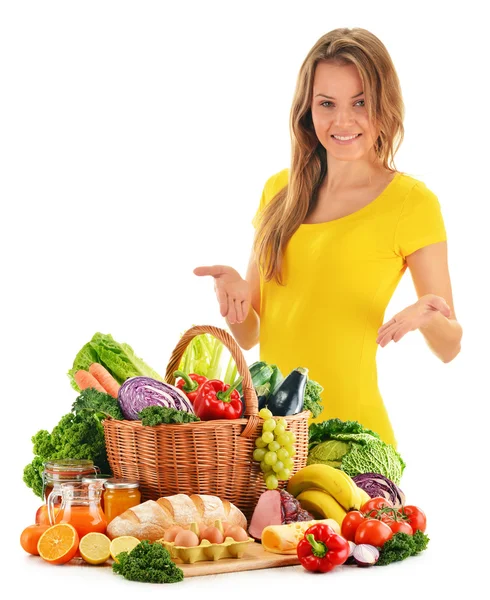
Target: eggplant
288 398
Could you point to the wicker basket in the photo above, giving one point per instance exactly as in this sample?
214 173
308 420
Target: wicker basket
205 457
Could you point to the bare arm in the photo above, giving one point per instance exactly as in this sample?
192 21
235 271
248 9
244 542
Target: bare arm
247 332
430 274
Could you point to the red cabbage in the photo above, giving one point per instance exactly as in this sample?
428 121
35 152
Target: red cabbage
136 393
377 485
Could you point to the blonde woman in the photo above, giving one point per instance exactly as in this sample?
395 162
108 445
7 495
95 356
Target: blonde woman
336 231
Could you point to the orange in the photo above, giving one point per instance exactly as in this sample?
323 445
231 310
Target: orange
58 544
30 537
42 517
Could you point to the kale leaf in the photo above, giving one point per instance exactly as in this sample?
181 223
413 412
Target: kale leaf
78 436
101 403
312 400
401 546
149 563
156 415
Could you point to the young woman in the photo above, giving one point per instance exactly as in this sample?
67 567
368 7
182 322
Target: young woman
336 231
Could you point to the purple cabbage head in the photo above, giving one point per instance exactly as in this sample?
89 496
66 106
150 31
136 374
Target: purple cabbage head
136 393
377 485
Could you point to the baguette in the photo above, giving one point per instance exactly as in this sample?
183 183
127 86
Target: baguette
149 520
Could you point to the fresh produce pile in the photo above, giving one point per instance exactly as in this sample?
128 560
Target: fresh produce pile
345 507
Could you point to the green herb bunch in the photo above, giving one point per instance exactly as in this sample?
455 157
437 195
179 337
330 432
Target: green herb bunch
401 546
148 563
156 415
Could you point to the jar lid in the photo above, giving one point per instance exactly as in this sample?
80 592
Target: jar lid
120 484
69 466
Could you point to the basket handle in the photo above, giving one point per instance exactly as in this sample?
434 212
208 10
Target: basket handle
250 396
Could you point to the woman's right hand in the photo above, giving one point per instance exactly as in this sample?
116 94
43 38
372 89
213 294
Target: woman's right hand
233 292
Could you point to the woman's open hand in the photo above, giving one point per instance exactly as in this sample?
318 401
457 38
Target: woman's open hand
411 318
233 292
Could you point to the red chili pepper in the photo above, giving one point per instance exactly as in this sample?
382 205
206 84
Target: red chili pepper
322 549
218 400
189 384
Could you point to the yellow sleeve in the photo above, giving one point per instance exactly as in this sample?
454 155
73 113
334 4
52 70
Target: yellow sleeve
273 185
420 223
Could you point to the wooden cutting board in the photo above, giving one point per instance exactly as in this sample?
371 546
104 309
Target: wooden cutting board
254 558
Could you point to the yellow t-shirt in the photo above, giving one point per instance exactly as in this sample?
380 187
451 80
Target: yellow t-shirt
339 278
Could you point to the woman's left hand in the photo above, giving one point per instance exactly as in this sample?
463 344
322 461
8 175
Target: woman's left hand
411 318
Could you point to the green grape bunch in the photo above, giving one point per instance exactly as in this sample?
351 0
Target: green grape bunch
274 449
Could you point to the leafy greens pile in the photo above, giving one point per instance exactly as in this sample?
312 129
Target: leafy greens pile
156 415
149 563
349 446
119 359
401 546
312 399
79 435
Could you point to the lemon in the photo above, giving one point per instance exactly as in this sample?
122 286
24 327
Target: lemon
123 543
95 548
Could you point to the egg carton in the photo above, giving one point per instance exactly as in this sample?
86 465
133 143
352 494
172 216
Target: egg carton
229 548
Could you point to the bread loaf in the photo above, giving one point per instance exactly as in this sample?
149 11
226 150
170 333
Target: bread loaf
150 519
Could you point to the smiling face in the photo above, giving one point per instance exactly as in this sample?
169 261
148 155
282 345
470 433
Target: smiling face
338 109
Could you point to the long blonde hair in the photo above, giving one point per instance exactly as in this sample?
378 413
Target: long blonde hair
288 208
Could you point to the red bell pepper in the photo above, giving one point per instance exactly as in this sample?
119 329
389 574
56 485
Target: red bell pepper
218 400
189 384
322 549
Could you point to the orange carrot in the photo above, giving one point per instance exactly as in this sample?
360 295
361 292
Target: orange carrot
105 379
85 380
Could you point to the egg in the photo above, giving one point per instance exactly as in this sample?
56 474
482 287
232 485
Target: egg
186 538
237 533
171 532
213 535
202 527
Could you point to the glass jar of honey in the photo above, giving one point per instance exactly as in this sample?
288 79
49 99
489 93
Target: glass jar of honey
65 470
119 495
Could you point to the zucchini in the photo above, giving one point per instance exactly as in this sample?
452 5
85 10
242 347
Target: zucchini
276 379
260 372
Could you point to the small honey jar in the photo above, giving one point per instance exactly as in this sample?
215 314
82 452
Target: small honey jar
119 495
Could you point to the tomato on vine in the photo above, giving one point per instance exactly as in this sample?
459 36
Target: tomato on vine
374 532
415 517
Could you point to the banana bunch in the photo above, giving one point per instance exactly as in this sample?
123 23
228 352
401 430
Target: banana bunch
326 492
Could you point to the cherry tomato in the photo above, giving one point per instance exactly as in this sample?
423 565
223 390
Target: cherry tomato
373 532
416 517
400 527
350 524
371 507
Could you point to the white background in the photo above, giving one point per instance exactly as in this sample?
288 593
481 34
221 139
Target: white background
136 138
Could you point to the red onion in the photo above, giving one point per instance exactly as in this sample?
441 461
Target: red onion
366 555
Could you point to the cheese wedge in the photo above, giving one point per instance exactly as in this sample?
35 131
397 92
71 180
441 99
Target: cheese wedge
283 539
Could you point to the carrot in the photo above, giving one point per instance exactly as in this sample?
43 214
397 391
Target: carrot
105 379
85 380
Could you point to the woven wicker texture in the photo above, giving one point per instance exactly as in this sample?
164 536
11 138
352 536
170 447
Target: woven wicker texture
207 457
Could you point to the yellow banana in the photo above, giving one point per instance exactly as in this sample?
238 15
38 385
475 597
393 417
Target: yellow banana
320 503
364 496
356 495
333 481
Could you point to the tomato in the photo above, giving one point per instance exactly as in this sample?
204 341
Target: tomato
416 517
373 532
400 527
350 524
370 507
